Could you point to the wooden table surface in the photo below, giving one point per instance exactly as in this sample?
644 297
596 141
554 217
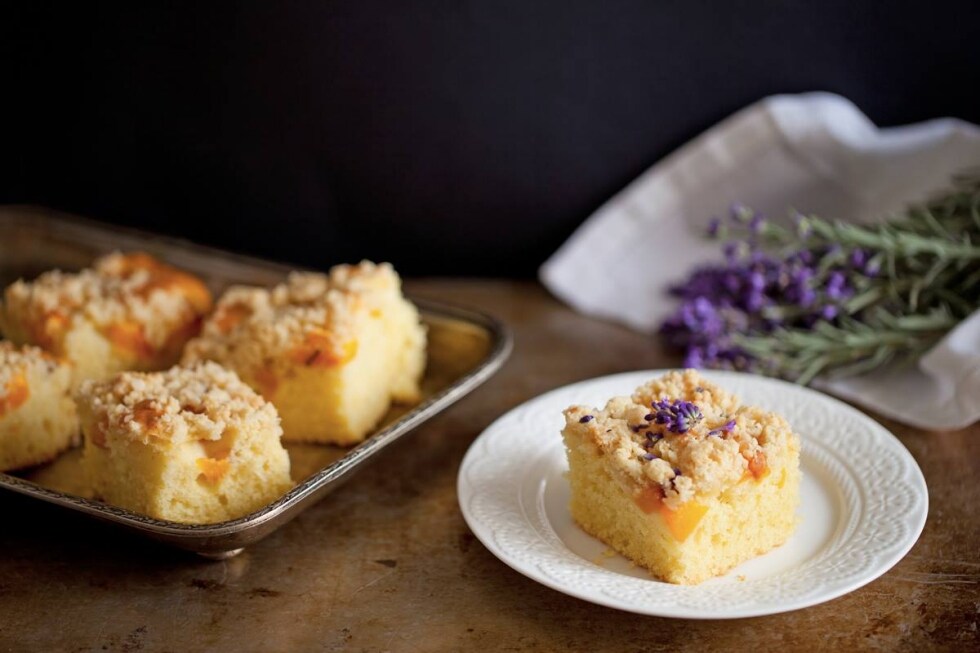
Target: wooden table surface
387 563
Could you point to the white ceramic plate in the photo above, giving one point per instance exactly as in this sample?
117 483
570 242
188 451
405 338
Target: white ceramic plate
863 506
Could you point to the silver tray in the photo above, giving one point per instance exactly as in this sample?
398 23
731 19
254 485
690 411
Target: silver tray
465 348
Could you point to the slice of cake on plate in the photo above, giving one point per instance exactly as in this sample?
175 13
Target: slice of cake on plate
37 413
193 445
682 479
127 312
330 351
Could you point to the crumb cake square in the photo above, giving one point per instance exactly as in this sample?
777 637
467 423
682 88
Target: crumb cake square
126 312
330 351
681 478
37 413
192 445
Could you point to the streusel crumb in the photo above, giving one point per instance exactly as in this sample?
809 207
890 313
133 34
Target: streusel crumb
181 404
128 311
713 453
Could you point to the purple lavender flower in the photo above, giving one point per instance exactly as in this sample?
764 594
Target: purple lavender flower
837 287
727 427
732 250
677 415
829 312
755 293
807 297
754 301
694 357
803 257
858 258
714 225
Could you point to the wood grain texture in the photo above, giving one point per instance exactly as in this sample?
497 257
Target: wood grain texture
387 564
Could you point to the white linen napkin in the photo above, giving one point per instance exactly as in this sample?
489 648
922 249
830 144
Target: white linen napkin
815 152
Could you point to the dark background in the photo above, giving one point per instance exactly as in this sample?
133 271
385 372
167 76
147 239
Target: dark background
446 137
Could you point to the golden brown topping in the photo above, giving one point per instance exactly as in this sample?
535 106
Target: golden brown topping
137 301
311 319
147 414
228 316
685 436
152 275
202 402
50 330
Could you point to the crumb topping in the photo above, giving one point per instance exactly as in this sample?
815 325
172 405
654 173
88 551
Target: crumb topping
16 361
121 294
201 402
684 435
311 317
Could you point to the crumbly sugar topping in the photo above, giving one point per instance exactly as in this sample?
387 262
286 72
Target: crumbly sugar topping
251 324
118 288
15 361
685 435
199 402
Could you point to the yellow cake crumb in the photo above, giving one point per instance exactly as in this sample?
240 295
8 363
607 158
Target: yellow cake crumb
126 312
193 445
681 478
330 351
37 414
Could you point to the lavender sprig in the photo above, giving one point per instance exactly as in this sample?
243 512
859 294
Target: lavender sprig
827 296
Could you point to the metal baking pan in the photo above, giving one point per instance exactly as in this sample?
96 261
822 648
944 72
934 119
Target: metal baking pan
465 348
